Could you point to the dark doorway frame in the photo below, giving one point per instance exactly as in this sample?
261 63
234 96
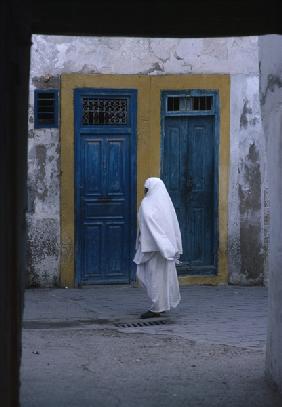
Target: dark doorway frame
20 18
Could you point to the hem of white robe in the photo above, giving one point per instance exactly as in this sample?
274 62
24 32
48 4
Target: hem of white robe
169 303
159 310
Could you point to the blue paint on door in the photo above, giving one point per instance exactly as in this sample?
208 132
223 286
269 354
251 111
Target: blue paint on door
105 185
190 171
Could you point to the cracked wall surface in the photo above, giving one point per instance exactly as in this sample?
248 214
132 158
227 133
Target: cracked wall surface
54 55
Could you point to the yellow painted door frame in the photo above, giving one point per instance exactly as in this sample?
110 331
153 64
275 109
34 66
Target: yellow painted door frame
148 151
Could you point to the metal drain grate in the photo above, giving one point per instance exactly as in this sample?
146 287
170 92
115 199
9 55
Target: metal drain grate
141 324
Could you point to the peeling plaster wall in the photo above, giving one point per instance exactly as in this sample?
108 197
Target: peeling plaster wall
54 55
246 193
270 48
43 216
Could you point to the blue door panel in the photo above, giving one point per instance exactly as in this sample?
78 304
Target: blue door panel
174 146
116 260
189 172
201 200
118 167
91 176
105 185
92 250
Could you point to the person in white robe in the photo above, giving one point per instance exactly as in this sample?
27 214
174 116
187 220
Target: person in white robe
158 247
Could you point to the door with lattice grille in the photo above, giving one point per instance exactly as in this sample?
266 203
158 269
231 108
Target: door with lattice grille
105 184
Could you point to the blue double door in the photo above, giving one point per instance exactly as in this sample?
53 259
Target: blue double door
105 182
105 185
190 172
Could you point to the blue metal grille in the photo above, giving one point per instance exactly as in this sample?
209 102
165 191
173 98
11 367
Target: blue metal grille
104 111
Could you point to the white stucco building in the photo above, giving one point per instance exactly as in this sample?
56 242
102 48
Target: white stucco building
242 229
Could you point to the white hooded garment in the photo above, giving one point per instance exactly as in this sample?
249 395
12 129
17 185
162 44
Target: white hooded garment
158 247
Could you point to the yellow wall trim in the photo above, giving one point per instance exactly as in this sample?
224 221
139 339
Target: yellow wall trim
148 151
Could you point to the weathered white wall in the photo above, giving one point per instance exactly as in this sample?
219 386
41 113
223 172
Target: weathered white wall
271 104
43 215
53 55
246 193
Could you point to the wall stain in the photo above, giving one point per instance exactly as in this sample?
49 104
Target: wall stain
244 115
154 68
46 82
41 154
251 246
250 193
252 257
273 81
42 244
176 56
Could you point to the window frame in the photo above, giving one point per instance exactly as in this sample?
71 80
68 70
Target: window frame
37 124
190 93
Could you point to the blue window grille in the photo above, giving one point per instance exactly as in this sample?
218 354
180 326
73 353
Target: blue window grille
46 108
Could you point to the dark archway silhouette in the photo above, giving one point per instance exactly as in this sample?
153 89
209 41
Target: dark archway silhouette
20 18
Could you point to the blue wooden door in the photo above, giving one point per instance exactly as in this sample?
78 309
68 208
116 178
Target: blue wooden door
105 185
189 161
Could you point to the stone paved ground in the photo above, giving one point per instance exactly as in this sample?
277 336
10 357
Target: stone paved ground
209 354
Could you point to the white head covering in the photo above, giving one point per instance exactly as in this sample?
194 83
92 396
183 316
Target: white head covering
159 228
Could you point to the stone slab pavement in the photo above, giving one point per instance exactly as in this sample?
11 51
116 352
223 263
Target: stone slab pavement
83 347
221 315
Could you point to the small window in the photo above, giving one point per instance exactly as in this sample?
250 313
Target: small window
189 103
46 108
